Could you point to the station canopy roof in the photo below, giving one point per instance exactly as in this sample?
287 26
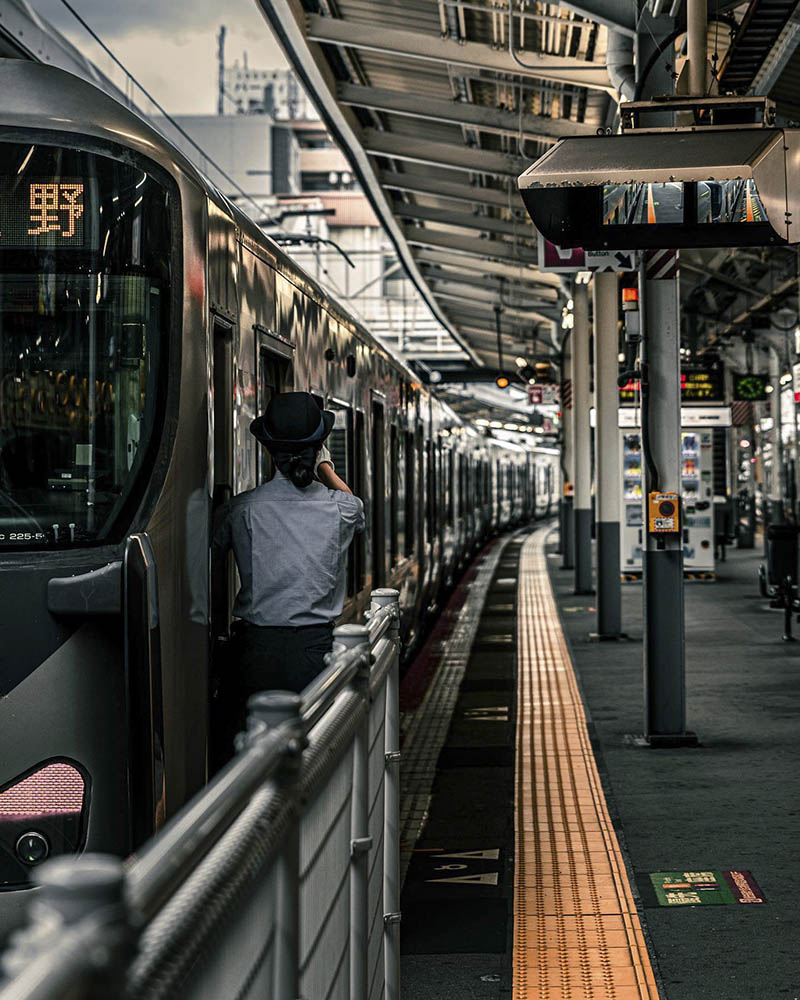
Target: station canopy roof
440 105
440 111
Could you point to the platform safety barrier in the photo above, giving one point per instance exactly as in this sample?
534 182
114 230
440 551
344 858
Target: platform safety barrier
280 880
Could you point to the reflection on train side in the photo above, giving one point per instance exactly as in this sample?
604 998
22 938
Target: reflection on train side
704 202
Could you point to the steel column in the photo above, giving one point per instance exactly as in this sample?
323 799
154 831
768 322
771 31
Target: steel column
567 502
776 490
697 45
608 492
662 557
664 640
581 433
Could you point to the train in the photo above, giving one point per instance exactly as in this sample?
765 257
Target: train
144 322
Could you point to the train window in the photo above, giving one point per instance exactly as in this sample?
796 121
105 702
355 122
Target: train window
410 518
430 490
441 483
358 486
341 445
84 334
400 489
393 492
378 496
272 379
451 487
337 442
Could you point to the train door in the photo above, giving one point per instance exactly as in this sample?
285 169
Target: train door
378 496
274 376
222 564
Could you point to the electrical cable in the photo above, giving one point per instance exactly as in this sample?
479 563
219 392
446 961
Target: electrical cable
644 388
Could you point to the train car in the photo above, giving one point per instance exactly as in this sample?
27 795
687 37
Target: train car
144 322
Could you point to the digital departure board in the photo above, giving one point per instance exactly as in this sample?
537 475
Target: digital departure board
701 385
698 385
41 212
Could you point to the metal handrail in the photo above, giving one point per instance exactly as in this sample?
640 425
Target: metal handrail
85 921
165 860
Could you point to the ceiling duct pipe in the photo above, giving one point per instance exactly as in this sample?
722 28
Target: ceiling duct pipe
619 60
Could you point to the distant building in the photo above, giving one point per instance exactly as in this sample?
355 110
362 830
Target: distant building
274 92
376 289
257 155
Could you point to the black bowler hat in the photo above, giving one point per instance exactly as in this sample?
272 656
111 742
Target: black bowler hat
293 421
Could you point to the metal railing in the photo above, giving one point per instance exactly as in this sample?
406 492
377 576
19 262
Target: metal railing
280 880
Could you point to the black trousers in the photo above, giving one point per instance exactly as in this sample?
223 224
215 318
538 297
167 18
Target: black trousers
263 658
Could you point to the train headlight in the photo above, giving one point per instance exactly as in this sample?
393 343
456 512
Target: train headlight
32 848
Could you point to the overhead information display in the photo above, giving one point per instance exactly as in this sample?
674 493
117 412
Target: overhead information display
42 212
701 385
698 385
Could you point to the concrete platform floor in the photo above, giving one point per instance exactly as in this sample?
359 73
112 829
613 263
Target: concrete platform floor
732 803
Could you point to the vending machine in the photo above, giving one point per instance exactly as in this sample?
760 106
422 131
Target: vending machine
697 494
697 497
631 522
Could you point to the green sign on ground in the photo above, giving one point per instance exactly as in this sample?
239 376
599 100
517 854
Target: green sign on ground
704 888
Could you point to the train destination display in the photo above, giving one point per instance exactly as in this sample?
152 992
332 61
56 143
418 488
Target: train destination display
41 212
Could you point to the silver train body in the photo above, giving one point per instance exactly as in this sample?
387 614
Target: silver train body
180 318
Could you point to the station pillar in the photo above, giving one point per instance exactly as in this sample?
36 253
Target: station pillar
581 436
608 494
566 503
776 491
664 635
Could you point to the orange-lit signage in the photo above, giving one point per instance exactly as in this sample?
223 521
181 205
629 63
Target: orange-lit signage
41 212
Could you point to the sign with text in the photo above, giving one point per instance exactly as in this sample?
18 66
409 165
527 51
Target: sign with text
560 261
41 212
542 395
704 888
698 385
691 416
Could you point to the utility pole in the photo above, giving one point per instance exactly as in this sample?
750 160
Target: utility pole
607 462
221 70
581 433
659 297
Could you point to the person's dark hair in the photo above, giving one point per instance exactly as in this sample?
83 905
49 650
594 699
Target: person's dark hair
298 466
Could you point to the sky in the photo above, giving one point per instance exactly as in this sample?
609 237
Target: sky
170 46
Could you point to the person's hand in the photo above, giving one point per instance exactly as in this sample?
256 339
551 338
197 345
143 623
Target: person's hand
323 455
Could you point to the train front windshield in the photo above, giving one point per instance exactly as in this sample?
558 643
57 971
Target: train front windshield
85 262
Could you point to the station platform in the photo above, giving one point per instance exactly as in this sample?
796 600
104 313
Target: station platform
535 848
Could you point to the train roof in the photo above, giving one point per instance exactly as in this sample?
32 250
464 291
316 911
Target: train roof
53 99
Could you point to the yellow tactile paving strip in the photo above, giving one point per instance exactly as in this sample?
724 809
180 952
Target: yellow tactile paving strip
577 934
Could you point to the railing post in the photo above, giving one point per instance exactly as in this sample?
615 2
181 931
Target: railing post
391 803
266 711
354 637
74 891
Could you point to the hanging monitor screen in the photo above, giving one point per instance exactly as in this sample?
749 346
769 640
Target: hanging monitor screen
671 203
42 211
